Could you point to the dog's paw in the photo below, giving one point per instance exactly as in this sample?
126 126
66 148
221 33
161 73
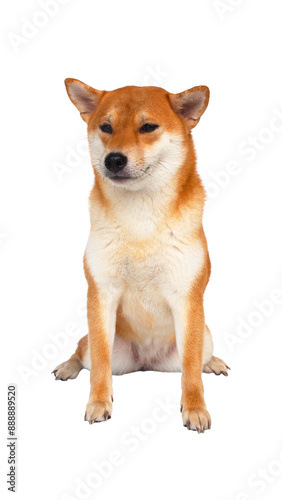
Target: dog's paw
216 366
68 369
197 419
98 411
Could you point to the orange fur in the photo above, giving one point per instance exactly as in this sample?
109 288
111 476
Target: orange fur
100 377
124 329
82 347
192 386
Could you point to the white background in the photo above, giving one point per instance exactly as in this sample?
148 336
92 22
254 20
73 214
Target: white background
234 47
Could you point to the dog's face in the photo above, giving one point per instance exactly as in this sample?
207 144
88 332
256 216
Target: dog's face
137 135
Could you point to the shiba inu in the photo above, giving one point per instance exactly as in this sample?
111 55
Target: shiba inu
146 261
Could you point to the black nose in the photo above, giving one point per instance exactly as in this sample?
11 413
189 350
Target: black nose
115 162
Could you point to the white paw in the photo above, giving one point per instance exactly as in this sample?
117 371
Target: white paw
216 366
98 411
196 420
68 369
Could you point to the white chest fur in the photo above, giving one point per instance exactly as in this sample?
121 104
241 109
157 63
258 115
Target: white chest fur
148 265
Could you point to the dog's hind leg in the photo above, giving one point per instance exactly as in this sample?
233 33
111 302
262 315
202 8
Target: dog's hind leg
211 364
123 360
78 361
170 361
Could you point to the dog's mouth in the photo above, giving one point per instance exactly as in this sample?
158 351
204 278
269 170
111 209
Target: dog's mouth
121 179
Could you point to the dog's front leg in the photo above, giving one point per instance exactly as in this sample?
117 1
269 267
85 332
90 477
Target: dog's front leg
189 328
101 312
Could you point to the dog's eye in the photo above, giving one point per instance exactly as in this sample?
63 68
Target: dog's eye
148 127
106 127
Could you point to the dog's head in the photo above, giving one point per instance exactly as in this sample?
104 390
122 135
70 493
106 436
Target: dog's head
137 135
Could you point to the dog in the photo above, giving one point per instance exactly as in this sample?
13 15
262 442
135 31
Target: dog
146 260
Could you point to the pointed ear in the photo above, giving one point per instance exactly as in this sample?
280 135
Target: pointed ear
190 104
83 97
